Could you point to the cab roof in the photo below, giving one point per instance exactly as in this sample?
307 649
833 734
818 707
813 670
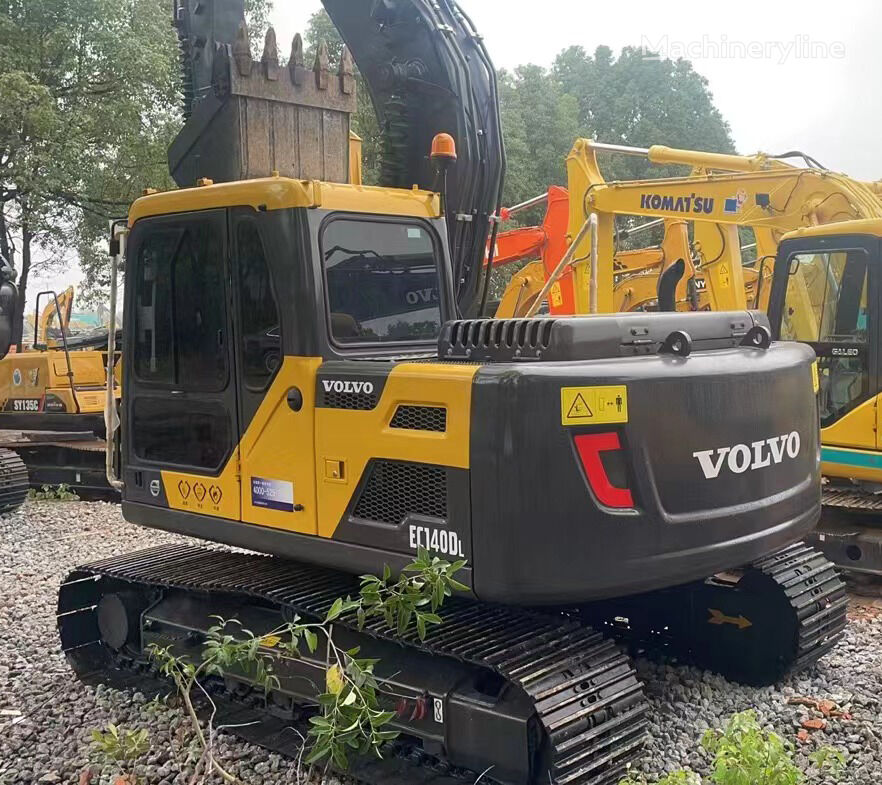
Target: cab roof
279 193
869 226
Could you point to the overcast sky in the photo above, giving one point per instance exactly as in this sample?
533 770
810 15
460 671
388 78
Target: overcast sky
786 75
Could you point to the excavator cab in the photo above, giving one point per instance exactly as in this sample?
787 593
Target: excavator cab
826 293
8 303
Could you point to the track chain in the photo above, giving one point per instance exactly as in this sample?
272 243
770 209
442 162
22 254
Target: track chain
585 690
817 595
13 481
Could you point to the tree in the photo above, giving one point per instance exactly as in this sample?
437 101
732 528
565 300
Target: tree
89 102
540 123
639 99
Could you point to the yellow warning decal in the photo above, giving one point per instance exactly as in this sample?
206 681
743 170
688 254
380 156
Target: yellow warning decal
816 382
594 405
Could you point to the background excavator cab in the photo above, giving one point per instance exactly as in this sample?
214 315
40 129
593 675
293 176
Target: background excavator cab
8 303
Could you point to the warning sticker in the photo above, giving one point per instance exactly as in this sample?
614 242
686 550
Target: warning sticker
593 405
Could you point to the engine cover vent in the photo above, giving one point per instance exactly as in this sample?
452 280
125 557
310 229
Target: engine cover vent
480 339
395 489
420 418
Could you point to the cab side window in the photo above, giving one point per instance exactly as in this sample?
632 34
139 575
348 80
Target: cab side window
180 317
259 312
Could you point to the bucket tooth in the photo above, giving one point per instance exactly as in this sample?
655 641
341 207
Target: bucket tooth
295 61
322 67
242 50
270 59
346 72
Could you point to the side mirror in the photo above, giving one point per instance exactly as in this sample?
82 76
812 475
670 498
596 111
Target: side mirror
8 302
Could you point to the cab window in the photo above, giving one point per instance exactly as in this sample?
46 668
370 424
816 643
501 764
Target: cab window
826 306
258 311
180 318
382 281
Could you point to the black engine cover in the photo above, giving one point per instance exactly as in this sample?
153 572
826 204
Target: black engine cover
720 452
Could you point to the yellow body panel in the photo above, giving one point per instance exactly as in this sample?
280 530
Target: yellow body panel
323 452
721 266
218 496
280 445
279 193
855 429
353 437
30 375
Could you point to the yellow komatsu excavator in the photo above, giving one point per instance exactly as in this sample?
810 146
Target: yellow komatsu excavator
701 213
306 378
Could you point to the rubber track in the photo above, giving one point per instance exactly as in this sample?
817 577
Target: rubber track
817 595
585 690
13 481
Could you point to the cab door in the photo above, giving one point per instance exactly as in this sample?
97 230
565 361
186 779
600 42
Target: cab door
827 295
276 393
180 420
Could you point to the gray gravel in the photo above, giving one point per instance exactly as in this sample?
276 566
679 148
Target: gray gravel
46 716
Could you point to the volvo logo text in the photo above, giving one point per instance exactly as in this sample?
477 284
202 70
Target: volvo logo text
743 457
339 386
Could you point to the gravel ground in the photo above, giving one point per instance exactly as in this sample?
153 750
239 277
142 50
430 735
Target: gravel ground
46 716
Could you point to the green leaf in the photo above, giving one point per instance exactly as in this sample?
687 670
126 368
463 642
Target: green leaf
319 753
335 610
311 640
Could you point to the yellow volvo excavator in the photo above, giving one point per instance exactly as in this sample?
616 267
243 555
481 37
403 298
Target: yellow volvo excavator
392 419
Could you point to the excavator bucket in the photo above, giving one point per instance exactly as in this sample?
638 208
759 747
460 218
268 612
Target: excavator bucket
254 118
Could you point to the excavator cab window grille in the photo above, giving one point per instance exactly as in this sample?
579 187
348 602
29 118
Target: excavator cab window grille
395 490
420 418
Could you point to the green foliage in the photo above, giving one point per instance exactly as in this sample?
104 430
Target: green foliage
350 718
414 597
89 102
49 493
639 100
745 754
119 745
